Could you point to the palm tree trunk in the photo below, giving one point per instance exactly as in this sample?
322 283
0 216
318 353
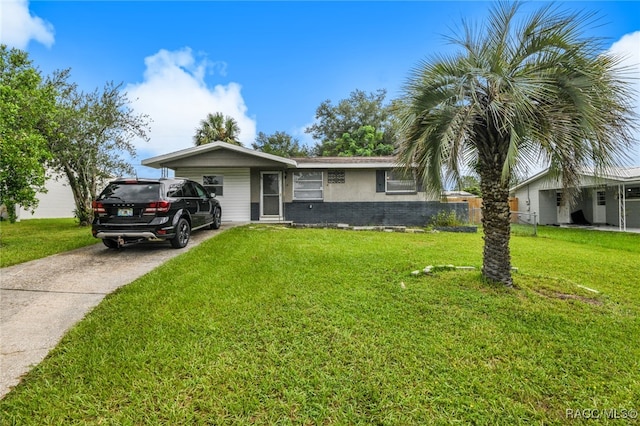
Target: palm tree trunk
496 264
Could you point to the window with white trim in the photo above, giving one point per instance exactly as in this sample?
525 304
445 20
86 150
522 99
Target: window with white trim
398 182
633 193
214 184
308 185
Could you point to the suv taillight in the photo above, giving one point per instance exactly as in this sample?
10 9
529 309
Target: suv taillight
157 207
98 208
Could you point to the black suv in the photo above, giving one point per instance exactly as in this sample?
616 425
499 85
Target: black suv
133 210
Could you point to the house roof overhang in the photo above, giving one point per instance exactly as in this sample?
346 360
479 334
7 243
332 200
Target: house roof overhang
251 158
346 162
167 160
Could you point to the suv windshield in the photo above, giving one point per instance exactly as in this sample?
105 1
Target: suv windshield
132 192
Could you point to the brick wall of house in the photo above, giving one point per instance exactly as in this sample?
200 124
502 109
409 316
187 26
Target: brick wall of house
408 213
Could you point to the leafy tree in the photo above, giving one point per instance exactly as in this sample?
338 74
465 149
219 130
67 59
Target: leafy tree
280 143
93 131
470 184
365 142
349 116
519 91
217 127
26 104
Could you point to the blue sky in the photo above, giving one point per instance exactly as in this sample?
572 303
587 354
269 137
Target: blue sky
267 64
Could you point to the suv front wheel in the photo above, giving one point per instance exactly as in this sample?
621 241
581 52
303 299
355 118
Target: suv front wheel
217 218
183 232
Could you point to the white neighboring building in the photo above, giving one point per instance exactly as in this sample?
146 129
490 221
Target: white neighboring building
57 202
613 199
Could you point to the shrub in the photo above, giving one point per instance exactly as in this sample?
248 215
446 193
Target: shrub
446 218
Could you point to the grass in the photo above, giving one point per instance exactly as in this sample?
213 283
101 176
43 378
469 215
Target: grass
618 241
36 238
268 325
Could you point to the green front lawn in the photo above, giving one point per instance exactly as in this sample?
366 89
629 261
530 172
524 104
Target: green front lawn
35 238
264 325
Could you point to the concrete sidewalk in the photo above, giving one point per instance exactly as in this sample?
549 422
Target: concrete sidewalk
610 228
42 299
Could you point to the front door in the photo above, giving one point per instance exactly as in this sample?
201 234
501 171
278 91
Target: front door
271 195
599 206
563 210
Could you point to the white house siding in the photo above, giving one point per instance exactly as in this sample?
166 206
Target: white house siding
547 208
633 213
539 197
535 198
57 202
236 199
632 209
528 201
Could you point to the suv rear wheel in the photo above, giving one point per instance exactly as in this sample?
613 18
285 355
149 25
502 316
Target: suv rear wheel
112 244
183 232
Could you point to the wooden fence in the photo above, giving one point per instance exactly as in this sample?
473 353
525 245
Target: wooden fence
475 207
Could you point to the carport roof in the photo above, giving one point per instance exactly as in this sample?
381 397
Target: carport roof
615 175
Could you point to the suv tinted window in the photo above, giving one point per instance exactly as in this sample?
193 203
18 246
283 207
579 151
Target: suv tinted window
176 191
189 190
131 192
202 193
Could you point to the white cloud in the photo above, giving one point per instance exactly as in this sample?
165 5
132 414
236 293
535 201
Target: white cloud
628 47
174 94
18 27
304 138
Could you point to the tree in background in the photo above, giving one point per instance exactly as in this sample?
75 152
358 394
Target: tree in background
470 184
92 131
350 117
365 142
520 90
217 127
26 104
280 143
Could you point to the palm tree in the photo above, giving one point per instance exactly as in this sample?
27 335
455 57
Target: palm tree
217 127
520 92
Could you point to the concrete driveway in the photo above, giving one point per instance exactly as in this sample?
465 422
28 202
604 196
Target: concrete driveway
42 299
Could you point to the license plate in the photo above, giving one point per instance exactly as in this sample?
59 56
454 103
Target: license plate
125 212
